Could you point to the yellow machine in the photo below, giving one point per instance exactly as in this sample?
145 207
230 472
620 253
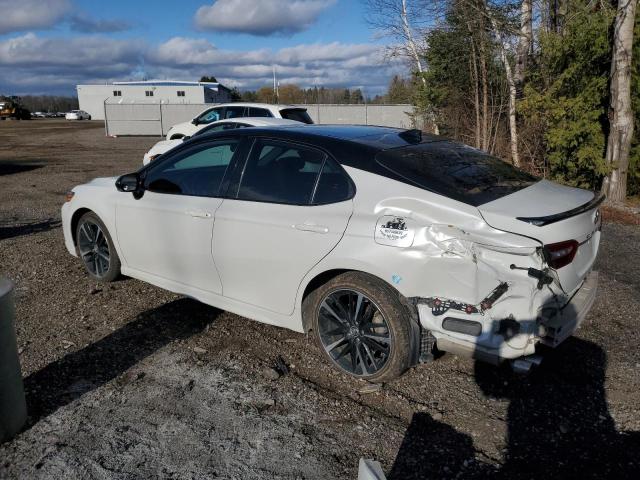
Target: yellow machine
10 107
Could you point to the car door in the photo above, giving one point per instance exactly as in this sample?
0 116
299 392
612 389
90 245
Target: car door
286 209
168 231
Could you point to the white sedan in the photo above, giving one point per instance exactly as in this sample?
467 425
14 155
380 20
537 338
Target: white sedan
164 146
77 115
386 244
227 111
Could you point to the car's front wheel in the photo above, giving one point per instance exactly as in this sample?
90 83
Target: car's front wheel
96 249
361 326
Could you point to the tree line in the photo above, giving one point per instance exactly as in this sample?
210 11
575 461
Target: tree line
49 103
551 85
291 93
400 91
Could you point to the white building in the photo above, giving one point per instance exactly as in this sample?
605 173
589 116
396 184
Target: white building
92 97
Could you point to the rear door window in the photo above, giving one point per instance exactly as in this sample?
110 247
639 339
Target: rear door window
297 114
333 185
280 172
235 112
456 171
259 112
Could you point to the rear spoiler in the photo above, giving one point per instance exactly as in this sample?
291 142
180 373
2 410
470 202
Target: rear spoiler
597 199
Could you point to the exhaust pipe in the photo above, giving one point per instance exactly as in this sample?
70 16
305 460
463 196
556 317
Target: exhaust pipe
523 365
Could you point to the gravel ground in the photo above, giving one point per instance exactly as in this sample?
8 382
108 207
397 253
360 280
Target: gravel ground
129 381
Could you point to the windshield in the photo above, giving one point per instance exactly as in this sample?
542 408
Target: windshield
455 171
297 114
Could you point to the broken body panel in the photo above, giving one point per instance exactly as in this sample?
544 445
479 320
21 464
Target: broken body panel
470 281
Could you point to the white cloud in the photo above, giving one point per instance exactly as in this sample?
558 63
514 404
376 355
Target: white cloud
30 63
264 17
329 64
20 15
86 24
326 52
89 52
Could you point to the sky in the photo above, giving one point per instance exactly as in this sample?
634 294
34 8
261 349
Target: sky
50 46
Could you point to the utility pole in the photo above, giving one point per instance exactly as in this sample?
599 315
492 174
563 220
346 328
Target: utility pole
275 86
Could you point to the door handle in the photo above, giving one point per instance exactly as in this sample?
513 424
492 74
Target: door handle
311 228
198 214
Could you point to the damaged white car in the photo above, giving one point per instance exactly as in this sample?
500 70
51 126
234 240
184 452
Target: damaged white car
385 244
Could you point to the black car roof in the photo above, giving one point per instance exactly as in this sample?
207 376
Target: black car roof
377 138
429 162
351 145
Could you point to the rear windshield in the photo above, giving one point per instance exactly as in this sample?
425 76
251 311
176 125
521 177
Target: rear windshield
297 114
455 171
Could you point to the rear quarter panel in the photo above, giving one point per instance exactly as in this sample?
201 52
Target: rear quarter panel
423 267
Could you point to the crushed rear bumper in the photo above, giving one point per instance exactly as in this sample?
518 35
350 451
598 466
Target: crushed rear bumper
549 324
556 325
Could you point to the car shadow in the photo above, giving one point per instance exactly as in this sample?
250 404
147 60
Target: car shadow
10 231
558 425
77 373
11 168
558 420
433 449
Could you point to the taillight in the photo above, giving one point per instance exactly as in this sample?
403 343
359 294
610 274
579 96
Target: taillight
561 254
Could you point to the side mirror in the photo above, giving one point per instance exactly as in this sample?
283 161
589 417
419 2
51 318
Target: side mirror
129 183
195 121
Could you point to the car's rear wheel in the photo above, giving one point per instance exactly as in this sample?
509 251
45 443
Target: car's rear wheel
361 326
96 249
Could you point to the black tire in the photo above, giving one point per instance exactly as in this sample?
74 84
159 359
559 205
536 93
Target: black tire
96 249
376 318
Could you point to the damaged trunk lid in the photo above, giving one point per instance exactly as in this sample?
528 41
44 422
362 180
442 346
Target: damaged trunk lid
565 220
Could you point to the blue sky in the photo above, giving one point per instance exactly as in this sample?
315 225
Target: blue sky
49 46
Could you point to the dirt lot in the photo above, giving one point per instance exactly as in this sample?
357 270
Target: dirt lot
129 381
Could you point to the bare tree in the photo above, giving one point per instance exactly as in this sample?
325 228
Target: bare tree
620 112
410 40
504 56
473 70
397 19
524 44
476 25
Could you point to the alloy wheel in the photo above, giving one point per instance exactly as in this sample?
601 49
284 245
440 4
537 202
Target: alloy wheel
94 248
354 332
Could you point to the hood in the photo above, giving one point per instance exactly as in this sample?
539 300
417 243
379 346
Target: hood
164 146
102 182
